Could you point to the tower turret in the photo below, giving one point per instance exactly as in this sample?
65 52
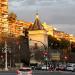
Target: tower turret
37 23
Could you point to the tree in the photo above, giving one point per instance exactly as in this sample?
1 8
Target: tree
24 49
64 43
39 55
53 42
64 46
12 17
10 46
73 47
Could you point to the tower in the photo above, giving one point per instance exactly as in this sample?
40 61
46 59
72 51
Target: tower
3 16
37 34
38 39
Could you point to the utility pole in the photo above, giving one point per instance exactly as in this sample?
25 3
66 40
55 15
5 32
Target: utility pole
5 49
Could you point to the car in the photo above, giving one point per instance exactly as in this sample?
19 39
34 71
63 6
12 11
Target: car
60 68
38 68
45 67
24 71
51 67
70 67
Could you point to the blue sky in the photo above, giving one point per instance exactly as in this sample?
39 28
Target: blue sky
61 13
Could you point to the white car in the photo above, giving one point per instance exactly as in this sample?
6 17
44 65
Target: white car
44 67
70 67
24 71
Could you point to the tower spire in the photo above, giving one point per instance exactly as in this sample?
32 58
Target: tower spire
37 25
37 14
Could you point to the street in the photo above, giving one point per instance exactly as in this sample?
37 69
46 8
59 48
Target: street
53 73
7 73
42 73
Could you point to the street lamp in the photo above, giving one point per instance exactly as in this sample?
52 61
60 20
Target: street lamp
45 56
40 42
10 58
5 49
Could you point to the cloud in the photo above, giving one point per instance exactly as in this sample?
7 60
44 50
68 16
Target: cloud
15 3
57 11
34 4
43 2
66 28
51 11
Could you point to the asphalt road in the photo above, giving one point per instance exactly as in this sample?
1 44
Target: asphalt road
7 73
41 73
53 73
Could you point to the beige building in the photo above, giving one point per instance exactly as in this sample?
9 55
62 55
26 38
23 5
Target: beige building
38 38
37 34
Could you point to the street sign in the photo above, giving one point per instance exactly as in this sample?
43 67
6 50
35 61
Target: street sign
55 56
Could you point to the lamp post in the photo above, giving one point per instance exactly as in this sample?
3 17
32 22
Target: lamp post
10 58
5 49
40 42
20 57
45 56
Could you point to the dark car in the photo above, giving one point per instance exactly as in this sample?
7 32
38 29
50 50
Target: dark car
60 67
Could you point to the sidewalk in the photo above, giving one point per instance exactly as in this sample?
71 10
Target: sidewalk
9 70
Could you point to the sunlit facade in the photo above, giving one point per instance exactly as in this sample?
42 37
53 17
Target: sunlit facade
48 28
72 38
58 34
16 28
4 16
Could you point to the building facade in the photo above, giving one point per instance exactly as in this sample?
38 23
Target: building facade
3 16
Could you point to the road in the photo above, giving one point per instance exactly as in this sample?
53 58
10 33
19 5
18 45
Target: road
53 73
7 73
41 73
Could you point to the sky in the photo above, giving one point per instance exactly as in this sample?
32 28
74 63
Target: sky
59 13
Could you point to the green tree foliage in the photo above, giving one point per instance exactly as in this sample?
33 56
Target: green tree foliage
24 48
64 43
39 55
12 17
73 47
53 42
11 46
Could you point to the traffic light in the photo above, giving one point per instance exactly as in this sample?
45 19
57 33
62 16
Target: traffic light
45 53
65 57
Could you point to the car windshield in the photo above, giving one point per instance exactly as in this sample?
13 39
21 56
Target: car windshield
69 66
24 70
